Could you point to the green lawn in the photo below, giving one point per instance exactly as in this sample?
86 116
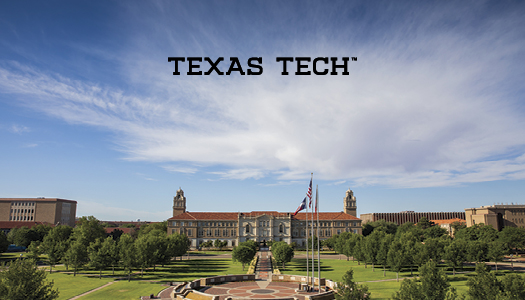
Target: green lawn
151 282
70 286
187 270
125 290
334 269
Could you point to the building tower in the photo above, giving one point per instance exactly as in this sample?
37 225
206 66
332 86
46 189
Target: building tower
350 203
179 203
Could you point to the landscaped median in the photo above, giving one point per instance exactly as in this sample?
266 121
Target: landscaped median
253 265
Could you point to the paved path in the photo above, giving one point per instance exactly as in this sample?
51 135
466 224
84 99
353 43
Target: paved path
93 290
264 265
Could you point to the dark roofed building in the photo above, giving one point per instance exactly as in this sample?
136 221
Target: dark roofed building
259 226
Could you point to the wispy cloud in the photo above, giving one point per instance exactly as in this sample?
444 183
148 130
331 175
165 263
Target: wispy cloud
419 108
19 129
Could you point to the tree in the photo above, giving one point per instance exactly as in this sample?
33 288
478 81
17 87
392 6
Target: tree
88 231
34 250
220 244
372 245
349 290
496 251
110 249
282 252
251 244
309 243
178 245
76 256
145 250
23 280
127 253
19 236
455 254
4 243
513 237
434 232
434 285
99 257
382 254
329 243
477 251
382 225
147 228
340 242
396 257
483 286
243 254
55 244
424 223
513 287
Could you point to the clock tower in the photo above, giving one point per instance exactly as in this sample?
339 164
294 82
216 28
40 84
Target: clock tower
350 203
179 203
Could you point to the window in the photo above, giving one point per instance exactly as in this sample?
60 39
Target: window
247 228
190 223
281 228
189 232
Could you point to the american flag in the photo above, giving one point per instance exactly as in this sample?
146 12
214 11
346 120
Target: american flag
301 207
309 194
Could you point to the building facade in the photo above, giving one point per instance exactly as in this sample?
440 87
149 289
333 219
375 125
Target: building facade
498 216
39 210
410 216
259 226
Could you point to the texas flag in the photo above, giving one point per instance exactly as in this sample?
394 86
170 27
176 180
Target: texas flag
301 207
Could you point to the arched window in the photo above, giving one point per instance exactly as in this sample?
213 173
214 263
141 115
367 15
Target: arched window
281 228
247 228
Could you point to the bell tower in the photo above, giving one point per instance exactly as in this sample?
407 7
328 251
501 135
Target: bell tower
179 203
350 203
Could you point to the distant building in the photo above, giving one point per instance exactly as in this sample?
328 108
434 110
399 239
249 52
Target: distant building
410 216
258 226
447 224
38 210
498 216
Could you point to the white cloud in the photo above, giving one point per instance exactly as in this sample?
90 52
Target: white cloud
15 128
422 110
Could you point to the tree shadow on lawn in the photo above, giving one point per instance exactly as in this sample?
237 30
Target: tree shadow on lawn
299 264
184 269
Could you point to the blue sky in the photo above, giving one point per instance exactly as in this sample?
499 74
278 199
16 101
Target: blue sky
430 118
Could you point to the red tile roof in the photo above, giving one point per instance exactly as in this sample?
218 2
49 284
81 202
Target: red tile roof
18 224
234 216
449 221
327 216
206 216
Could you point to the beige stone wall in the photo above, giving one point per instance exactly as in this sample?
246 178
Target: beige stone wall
5 210
45 212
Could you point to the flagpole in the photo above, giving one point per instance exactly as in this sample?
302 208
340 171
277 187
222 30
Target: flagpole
308 194
313 252
318 240
306 237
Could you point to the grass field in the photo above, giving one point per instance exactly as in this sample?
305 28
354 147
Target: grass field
140 285
153 281
70 286
334 269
